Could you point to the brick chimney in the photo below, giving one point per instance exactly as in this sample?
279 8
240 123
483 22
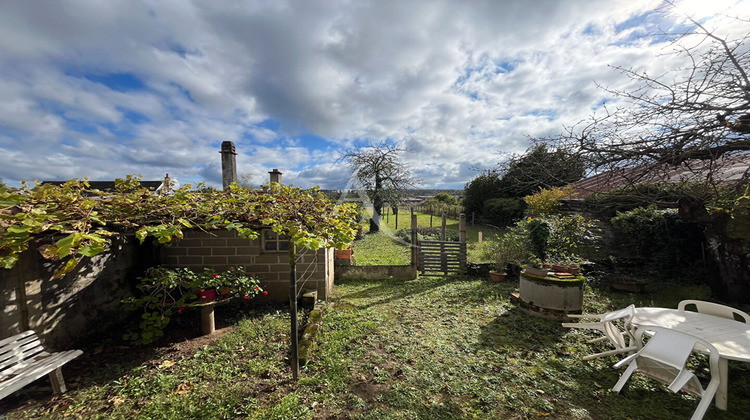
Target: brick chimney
275 175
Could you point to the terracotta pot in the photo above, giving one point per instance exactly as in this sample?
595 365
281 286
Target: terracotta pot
344 254
207 294
225 291
498 277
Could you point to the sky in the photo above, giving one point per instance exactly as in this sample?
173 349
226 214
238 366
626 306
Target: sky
103 89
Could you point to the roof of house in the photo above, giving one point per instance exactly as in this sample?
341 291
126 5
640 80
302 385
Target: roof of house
727 170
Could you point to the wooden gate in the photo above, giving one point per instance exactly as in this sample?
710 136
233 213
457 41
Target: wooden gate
442 258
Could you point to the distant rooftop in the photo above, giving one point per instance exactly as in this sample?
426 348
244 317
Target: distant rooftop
732 169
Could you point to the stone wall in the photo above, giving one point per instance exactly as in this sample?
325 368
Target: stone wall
84 302
222 249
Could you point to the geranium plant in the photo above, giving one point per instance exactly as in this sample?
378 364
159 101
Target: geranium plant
164 291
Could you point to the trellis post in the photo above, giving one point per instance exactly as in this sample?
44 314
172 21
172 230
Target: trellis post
293 309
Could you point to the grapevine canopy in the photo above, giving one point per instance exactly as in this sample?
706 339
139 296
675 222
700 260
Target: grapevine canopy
80 221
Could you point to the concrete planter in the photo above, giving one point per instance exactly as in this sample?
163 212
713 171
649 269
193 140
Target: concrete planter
550 297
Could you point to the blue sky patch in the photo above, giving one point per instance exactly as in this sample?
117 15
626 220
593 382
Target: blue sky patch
121 82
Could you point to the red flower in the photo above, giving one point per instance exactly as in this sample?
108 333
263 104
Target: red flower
256 287
230 269
213 276
180 310
247 297
265 292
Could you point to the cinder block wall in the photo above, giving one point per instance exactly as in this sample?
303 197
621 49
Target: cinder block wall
222 249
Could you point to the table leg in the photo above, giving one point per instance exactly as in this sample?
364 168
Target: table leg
207 319
721 393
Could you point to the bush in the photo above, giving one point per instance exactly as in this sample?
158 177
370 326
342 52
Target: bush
660 239
502 212
547 200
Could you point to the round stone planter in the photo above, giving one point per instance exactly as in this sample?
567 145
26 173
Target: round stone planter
550 297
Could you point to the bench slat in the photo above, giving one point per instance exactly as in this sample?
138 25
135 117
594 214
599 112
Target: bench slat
23 360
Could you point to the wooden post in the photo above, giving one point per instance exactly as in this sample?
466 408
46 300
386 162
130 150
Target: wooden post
462 228
414 242
208 326
479 237
442 229
293 309
430 216
396 220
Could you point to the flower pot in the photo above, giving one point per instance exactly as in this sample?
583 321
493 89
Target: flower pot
207 294
225 291
344 254
498 277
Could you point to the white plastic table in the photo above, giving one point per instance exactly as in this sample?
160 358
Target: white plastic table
731 338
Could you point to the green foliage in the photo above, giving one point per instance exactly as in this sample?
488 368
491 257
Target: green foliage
502 212
87 218
539 168
547 200
445 198
659 239
509 248
164 291
558 238
480 189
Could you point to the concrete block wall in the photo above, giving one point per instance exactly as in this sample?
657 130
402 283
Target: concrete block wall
222 249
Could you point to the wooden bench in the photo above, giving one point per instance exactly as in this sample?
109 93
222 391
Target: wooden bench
23 360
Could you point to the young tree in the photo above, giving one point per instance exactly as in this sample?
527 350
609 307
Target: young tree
380 170
539 168
483 187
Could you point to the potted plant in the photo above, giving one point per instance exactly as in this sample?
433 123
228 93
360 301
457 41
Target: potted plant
505 250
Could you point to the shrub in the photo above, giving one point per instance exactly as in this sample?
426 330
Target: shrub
547 200
660 239
503 212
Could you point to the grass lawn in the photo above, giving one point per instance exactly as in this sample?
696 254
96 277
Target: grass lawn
431 348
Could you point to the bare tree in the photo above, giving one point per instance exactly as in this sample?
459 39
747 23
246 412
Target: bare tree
695 117
380 170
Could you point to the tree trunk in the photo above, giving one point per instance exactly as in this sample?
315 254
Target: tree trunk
377 205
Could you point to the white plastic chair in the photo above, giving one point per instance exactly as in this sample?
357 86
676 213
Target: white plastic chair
664 358
715 309
615 326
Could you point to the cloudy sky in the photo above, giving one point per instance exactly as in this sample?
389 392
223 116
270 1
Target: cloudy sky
101 89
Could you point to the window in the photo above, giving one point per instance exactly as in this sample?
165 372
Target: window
272 241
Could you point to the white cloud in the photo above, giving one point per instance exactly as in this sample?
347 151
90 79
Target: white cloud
455 82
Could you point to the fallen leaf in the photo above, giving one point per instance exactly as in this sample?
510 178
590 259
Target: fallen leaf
167 364
117 400
184 387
